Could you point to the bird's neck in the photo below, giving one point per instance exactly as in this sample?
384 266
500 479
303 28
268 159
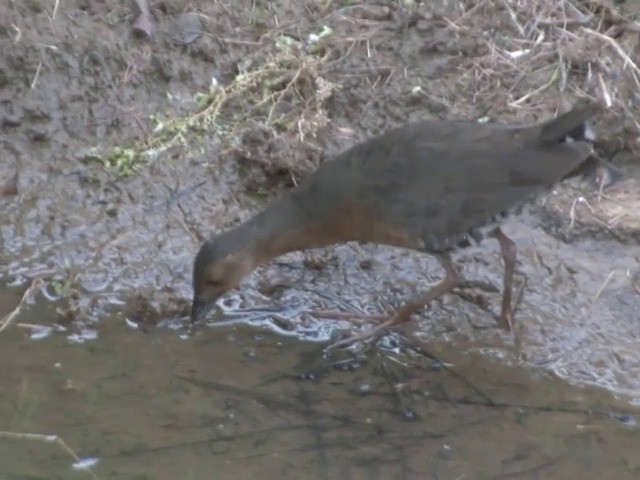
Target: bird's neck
283 227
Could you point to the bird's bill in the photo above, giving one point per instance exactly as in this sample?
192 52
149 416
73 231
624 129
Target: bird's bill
200 308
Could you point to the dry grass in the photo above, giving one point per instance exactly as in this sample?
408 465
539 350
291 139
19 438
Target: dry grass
533 57
280 88
547 54
552 50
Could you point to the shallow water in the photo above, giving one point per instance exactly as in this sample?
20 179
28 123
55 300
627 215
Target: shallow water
241 402
116 252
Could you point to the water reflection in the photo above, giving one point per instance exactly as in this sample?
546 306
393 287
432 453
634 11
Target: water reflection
239 402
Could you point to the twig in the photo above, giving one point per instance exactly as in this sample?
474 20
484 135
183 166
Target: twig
41 437
538 90
236 41
18 36
6 321
604 285
612 221
605 91
469 12
616 46
37 74
514 17
292 82
564 23
55 9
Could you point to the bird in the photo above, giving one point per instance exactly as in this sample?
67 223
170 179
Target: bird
434 186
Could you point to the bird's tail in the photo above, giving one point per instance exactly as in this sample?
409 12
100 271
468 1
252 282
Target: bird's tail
570 126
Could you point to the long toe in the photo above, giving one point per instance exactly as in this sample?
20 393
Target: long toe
355 316
369 335
505 319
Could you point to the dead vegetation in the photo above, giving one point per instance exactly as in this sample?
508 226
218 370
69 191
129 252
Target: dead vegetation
278 91
537 58
545 53
510 60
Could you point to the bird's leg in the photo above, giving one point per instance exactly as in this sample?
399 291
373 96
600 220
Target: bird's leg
403 314
509 251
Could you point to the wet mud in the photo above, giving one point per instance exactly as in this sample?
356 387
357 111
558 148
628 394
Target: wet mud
120 154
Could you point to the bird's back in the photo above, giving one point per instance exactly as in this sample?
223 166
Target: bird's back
432 184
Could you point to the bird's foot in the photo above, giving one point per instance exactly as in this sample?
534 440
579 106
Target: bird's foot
354 316
504 320
369 335
372 334
506 317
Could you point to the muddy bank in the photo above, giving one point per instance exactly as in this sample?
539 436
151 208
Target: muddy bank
127 154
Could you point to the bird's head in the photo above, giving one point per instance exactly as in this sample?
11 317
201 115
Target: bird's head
219 266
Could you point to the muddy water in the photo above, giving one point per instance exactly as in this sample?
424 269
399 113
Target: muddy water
113 248
240 402
79 82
